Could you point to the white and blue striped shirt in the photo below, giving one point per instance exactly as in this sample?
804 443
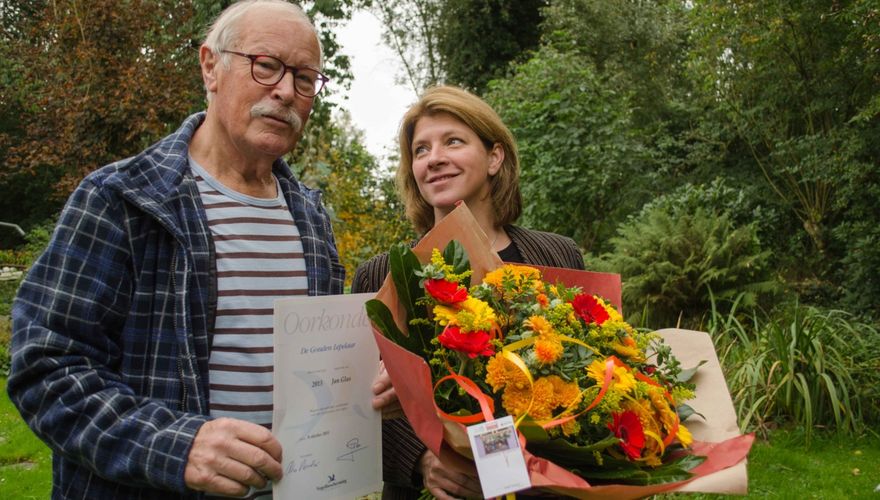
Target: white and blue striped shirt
259 259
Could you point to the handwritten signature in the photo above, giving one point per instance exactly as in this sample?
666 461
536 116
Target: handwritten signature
354 445
304 463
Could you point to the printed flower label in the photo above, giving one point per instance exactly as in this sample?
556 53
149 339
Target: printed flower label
499 457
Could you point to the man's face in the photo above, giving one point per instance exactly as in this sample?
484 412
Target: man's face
262 121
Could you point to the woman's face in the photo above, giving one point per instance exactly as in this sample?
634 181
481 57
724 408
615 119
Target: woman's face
450 163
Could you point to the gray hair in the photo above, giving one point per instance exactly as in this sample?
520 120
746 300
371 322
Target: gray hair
223 33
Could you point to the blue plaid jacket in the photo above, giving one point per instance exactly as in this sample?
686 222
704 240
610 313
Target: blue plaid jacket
112 325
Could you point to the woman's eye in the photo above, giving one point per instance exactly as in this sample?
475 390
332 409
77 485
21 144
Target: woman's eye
455 140
419 150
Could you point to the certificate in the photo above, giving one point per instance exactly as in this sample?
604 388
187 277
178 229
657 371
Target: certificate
325 361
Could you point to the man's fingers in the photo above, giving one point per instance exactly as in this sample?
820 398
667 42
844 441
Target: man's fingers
252 445
230 455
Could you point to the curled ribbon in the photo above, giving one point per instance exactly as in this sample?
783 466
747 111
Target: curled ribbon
487 405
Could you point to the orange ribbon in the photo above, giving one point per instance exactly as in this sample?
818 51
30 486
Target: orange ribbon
487 405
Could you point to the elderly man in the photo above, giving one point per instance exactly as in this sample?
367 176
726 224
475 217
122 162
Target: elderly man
142 347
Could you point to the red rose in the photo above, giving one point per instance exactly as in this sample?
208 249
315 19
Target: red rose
473 344
587 307
628 429
446 292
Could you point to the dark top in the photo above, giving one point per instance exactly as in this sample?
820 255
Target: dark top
401 449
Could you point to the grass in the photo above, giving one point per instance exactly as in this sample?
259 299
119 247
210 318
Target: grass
25 462
833 467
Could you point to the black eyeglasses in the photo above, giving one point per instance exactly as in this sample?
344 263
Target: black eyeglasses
268 71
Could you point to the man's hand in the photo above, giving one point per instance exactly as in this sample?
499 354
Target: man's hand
229 456
446 482
384 396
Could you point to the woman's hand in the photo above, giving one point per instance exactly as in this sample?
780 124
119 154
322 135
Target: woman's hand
446 482
384 396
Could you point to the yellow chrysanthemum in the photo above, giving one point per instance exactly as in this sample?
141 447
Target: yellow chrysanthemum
667 415
544 399
567 393
684 436
517 274
548 351
516 401
628 349
501 373
539 325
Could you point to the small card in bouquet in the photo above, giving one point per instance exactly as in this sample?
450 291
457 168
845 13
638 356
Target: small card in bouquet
499 457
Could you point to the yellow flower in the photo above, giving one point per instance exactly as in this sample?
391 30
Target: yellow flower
445 315
548 351
628 349
539 325
596 371
516 401
667 415
501 373
571 428
684 436
567 393
544 399
515 273
622 378
613 315
475 315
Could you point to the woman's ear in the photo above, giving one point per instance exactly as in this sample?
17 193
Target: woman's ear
496 158
209 62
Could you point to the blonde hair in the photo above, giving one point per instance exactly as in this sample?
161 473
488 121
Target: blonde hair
485 122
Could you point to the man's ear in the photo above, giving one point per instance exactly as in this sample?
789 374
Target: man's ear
496 158
209 63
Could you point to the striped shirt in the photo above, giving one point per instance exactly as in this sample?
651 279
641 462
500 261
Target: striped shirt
259 259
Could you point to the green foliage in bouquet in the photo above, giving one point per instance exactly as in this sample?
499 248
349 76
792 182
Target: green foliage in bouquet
587 390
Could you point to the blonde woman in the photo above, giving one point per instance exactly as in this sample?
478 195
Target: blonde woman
453 146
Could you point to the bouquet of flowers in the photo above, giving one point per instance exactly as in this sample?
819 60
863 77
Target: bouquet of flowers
596 401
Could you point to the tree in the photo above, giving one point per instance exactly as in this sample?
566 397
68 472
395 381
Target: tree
87 83
412 29
796 86
479 38
93 87
577 152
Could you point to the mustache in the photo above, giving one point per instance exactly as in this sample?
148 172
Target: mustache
279 112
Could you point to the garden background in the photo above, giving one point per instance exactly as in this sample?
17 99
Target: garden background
722 156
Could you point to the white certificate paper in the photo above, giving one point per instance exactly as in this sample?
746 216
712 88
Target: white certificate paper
325 361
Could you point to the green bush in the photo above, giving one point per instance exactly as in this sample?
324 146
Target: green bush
670 257
801 365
